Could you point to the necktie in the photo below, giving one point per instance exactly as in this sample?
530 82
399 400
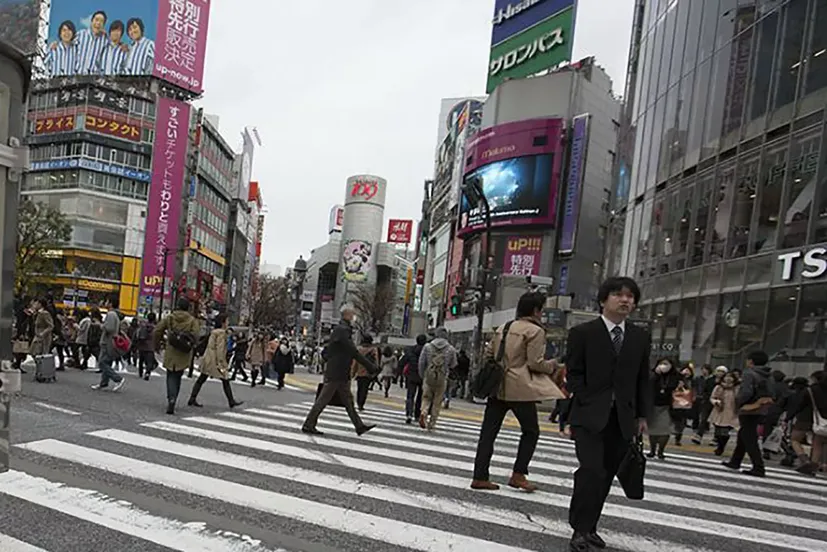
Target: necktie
617 338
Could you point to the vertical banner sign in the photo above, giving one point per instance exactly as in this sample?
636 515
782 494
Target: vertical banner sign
182 38
522 256
563 281
574 182
400 231
169 156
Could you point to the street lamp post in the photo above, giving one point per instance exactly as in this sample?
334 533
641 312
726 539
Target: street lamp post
474 192
167 251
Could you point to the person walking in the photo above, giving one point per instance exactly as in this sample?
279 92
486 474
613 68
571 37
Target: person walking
724 415
144 343
284 362
527 380
256 355
437 360
108 355
665 381
608 376
388 368
753 400
341 352
413 381
362 375
177 333
214 364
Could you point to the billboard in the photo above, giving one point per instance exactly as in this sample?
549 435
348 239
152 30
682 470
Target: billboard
358 260
574 182
543 46
522 256
55 123
511 17
400 231
520 180
107 124
19 23
365 188
337 218
163 38
169 157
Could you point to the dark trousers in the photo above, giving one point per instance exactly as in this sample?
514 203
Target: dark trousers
329 390
747 443
173 385
146 363
362 388
599 454
199 383
413 401
492 421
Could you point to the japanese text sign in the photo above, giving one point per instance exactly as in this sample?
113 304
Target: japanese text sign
48 125
107 125
400 231
522 256
182 42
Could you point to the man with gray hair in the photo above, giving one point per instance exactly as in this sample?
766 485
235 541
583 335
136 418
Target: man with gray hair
437 360
341 352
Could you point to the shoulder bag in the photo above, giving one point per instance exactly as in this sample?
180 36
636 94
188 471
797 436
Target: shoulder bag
489 379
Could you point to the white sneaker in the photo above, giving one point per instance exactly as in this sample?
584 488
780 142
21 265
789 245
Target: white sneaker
97 387
118 386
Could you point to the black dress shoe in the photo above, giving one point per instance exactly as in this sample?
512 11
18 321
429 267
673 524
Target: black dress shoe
754 472
364 429
311 431
580 543
596 540
727 464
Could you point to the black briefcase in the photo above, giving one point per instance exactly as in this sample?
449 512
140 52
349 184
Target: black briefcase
335 401
632 470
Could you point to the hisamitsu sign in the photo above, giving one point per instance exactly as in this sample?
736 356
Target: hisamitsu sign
543 46
511 17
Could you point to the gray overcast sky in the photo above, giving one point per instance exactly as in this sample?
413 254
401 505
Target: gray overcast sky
340 88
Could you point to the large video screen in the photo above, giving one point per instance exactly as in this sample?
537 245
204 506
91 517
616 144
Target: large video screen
520 191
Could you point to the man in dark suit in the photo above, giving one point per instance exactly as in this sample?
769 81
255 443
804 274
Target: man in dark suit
608 377
341 352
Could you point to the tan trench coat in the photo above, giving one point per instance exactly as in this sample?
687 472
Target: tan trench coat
725 414
527 373
43 328
257 352
214 362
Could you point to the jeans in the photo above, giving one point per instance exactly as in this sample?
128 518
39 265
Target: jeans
106 364
413 401
173 385
492 421
747 443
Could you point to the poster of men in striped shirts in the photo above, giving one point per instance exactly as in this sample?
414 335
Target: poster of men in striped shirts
101 37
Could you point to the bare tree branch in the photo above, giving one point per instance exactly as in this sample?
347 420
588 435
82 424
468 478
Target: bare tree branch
273 304
373 307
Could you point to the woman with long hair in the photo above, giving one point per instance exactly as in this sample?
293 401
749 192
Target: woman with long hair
215 364
665 379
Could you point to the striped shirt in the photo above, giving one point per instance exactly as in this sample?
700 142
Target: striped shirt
90 48
112 59
63 60
140 58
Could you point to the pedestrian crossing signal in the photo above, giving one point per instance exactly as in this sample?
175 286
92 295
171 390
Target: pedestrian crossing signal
456 305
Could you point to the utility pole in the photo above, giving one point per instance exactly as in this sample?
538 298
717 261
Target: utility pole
474 192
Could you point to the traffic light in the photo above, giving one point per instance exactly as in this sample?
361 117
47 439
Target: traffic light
456 305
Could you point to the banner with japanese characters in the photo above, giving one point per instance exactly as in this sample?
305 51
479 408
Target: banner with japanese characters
400 231
111 126
522 256
166 193
163 38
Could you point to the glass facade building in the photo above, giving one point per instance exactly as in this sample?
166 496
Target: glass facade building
721 197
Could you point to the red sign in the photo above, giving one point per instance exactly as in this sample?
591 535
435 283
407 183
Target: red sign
400 231
366 189
47 125
522 256
106 125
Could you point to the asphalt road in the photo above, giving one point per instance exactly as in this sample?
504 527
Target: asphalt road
94 470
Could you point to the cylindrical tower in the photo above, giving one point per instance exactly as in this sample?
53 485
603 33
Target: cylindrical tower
361 233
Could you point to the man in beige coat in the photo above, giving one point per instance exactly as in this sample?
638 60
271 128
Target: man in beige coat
527 380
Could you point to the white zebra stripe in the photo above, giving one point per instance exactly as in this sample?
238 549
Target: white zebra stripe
10 544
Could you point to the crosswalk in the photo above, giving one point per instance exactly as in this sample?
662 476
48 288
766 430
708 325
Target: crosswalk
250 481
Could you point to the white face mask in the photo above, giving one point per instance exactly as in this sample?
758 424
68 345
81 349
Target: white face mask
662 368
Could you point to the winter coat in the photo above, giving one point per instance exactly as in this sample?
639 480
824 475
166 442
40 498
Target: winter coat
83 331
359 371
144 336
663 385
180 321
724 414
463 366
257 352
527 375
341 352
214 363
438 346
388 367
755 385
283 362
410 360
43 329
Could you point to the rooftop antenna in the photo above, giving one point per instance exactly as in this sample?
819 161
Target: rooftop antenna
257 136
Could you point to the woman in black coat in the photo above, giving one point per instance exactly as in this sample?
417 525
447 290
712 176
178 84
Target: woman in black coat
283 363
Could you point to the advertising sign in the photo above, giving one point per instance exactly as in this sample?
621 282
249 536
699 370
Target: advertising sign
522 256
543 46
400 231
245 172
512 17
337 218
365 188
574 182
169 158
90 165
519 179
48 125
19 23
163 38
107 125
358 260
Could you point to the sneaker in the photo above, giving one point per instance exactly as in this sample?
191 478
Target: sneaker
98 387
118 386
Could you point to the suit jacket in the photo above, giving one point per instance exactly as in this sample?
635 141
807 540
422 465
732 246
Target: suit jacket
341 352
595 373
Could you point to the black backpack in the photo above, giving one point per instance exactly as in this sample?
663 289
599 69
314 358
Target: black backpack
183 342
489 379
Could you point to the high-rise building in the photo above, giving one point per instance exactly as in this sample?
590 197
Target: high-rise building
721 197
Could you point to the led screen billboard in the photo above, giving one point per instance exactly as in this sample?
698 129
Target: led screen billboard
163 38
544 46
518 165
19 23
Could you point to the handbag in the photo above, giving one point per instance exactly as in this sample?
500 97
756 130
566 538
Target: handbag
632 470
488 380
20 347
819 421
682 400
335 401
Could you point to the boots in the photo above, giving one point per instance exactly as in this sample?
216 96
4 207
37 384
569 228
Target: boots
228 392
253 377
196 388
722 442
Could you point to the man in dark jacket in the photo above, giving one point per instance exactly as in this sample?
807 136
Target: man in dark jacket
753 400
409 365
341 352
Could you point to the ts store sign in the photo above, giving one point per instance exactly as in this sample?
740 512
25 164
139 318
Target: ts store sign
400 231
